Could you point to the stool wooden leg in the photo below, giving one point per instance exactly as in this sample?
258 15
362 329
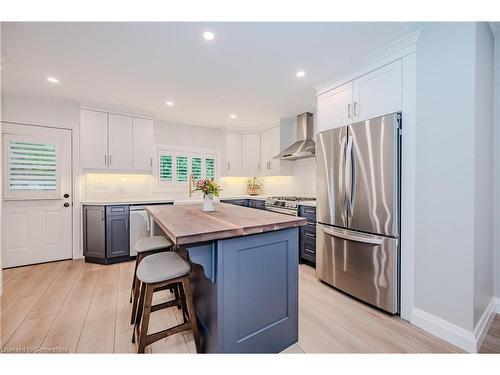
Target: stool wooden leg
176 294
186 286
183 305
138 313
145 317
134 280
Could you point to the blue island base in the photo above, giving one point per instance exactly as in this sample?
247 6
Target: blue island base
245 292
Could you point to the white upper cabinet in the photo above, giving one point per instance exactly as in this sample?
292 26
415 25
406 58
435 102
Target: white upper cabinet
93 139
272 142
335 108
377 93
142 135
371 95
115 142
251 154
233 163
120 141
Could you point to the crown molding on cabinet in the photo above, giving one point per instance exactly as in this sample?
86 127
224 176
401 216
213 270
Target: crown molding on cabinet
384 56
115 111
259 129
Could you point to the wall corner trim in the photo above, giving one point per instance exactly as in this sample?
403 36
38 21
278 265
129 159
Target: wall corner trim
484 324
394 51
467 340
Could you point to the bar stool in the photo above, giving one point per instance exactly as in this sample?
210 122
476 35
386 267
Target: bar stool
163 270
144 247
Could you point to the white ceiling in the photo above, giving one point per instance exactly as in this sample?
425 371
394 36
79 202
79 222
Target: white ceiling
249 69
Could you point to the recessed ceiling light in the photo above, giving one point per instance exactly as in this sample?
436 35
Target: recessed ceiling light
52 80
208 35
300 73
232 115
169 103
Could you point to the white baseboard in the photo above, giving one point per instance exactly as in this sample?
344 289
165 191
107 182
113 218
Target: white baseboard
484 324
455 335
443 329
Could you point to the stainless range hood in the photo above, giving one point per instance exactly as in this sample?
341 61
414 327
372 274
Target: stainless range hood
305 146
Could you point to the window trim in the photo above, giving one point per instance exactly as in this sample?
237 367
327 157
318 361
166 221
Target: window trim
30 195
174 151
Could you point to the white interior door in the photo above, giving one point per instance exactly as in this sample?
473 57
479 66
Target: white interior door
37 195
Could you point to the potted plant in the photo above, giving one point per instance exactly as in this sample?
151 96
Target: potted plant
254 186
210 189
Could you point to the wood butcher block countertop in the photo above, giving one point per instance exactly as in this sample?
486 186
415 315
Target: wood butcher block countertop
187 224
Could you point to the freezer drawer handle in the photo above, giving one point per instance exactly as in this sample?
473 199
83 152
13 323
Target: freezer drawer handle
373 240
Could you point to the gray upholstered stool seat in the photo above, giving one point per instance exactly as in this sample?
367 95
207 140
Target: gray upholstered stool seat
161 267
152 243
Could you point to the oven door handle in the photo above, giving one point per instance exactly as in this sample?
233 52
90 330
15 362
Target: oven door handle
282 211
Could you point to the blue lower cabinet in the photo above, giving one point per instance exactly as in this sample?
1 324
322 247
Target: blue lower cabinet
245 292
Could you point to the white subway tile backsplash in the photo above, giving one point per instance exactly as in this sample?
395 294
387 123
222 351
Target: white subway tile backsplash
125 186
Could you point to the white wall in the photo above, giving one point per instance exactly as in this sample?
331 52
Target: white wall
445 171
454 178
483 173
182 135
1 163
496 193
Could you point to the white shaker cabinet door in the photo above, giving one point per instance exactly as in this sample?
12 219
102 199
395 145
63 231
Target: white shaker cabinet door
378 92
233 154
335 108
142 135
251 154
93 139
120 142
270 147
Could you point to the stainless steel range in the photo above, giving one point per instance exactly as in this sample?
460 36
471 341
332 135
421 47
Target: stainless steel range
288 205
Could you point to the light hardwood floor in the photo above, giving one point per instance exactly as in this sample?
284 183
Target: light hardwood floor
78 307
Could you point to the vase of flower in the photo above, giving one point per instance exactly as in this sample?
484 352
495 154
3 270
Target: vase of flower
210 189
208 202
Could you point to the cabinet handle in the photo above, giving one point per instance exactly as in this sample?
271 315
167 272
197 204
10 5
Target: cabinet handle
355 108
102 214
349 110
105 159
109 159
151 162
126 223
269 167
228 165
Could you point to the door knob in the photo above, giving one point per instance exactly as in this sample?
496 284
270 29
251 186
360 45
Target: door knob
66 204
66 195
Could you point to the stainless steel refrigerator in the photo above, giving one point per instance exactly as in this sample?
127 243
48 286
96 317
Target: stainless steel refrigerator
358 209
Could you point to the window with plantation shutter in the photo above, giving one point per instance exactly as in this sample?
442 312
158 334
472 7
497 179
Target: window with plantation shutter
196 168
31 167
166 168
175 166
182 168
210 168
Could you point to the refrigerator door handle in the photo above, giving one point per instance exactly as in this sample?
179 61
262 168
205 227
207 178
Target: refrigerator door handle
363 238
349 177
342 182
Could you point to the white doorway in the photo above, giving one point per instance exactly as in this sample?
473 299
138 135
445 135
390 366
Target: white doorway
37 195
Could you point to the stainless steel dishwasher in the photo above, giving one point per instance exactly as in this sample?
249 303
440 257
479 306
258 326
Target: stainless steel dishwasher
141 225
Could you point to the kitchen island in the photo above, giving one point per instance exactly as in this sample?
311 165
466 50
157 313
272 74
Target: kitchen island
244 274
